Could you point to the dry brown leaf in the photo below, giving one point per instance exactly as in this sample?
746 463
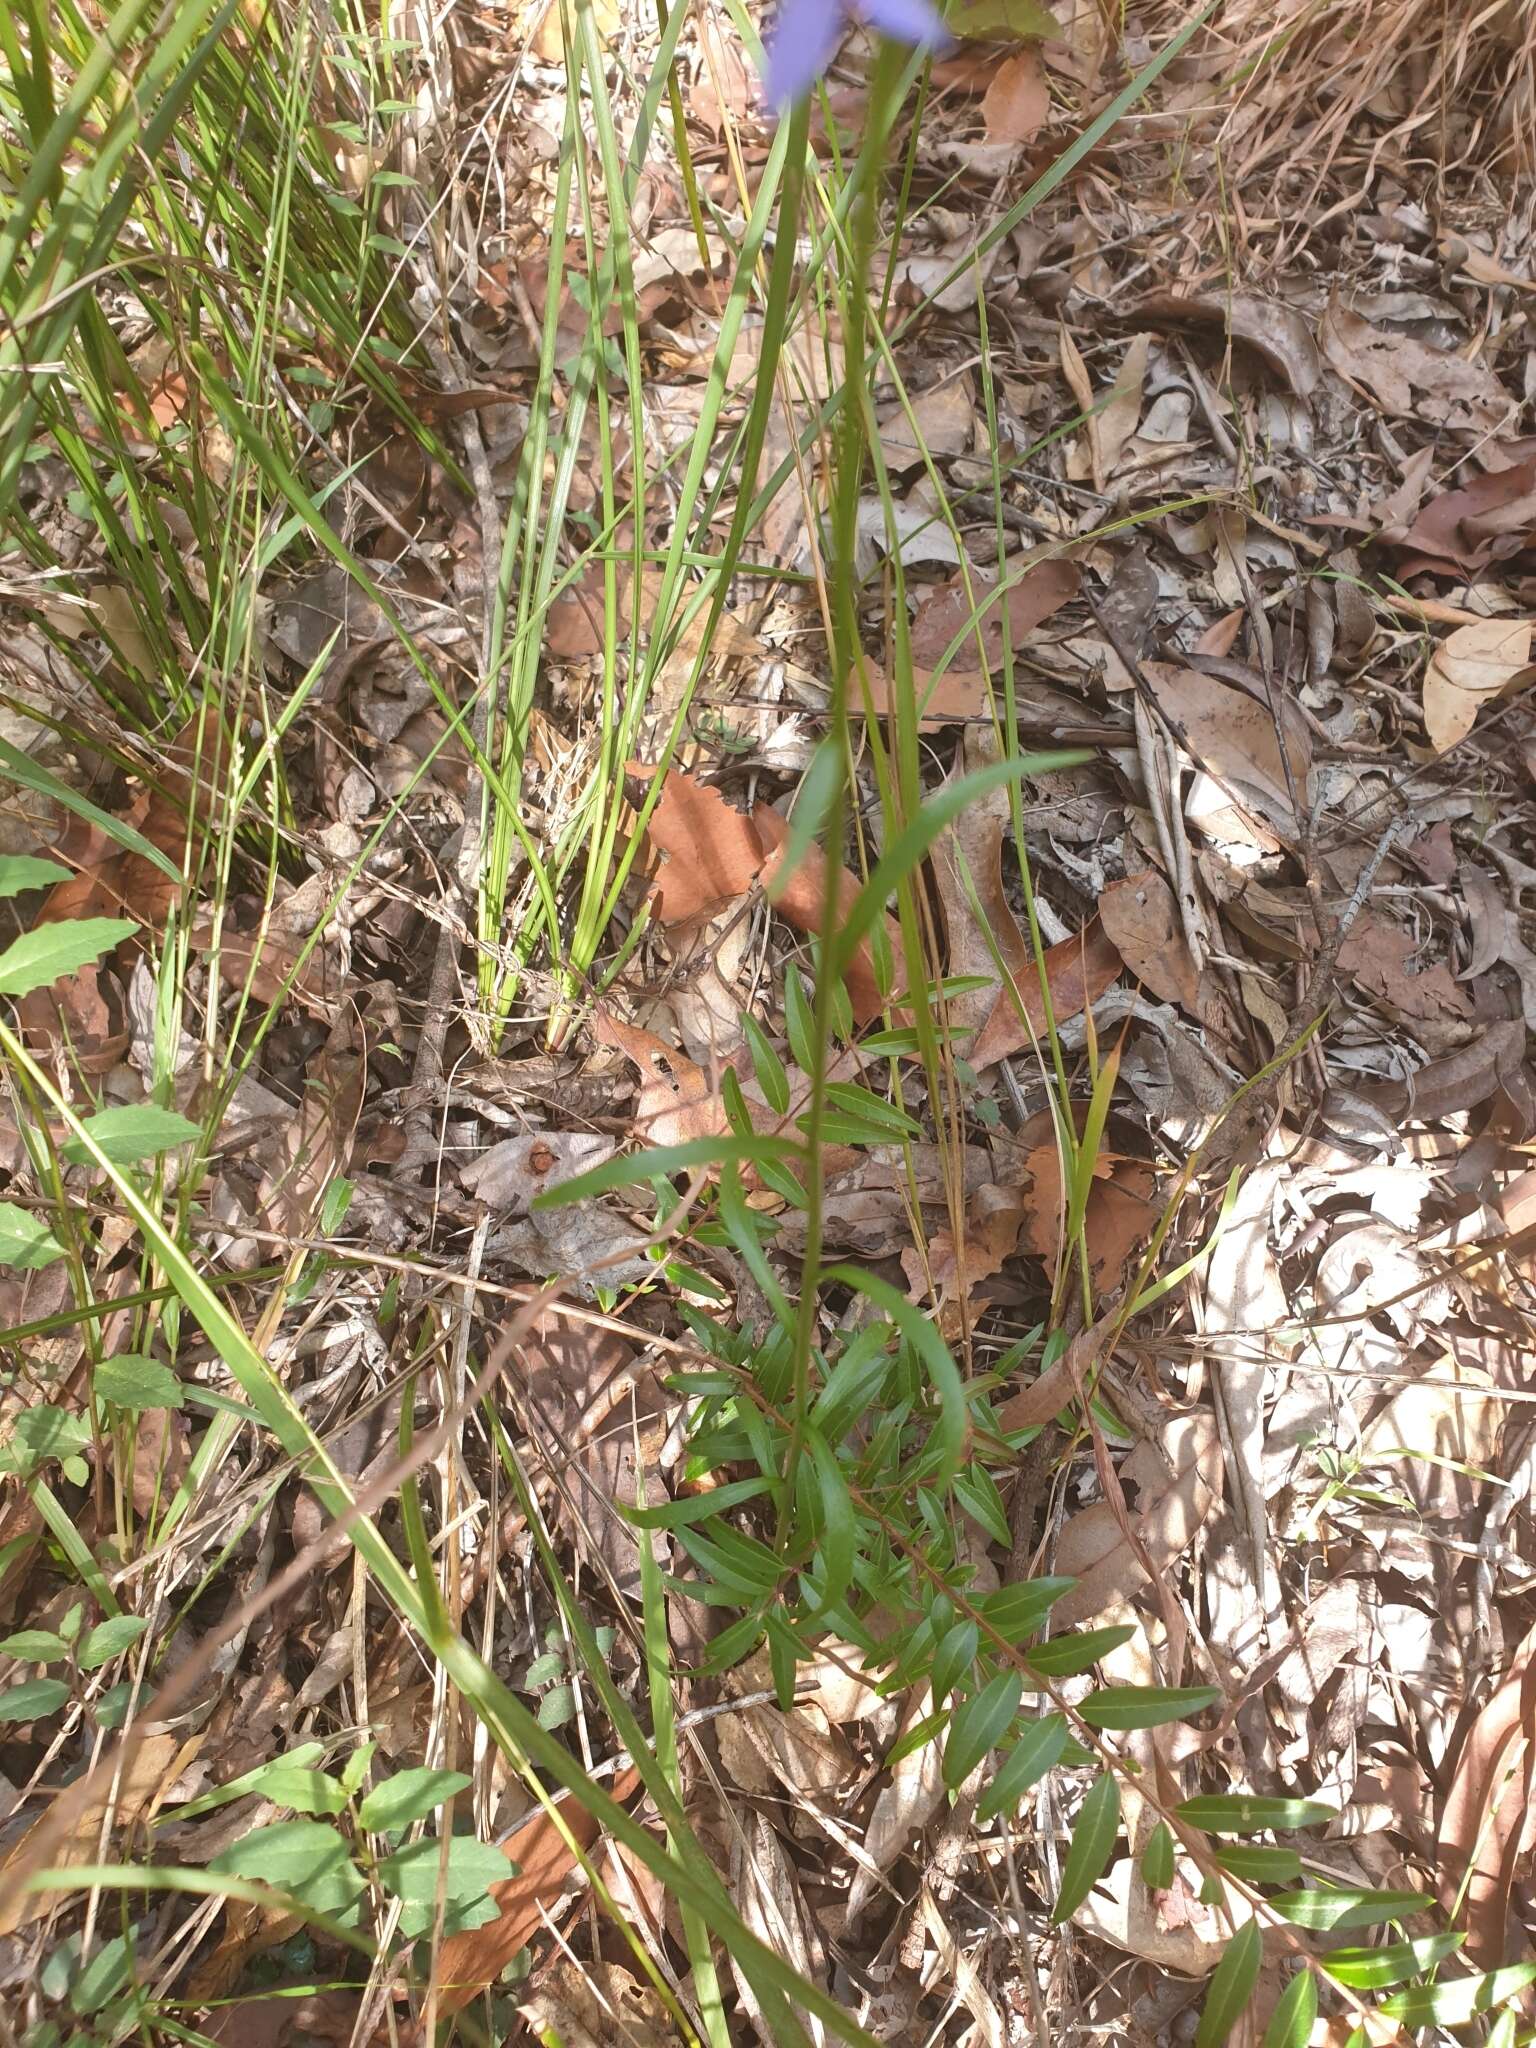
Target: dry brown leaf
994 1217
1469 668
1488 1829
1459 1081
1376 954
548 40
1116 1221
1142 922
153 1767
942 423
905 1804
726 88
1233 737
715 854
1180 1480
766 1889
1045 1396
1017 103
678 1102
85 1008
316 1144
1488 520
596 2005
1276 332
1029 593
574 629
1407 378
1118 414
1077 971
508 1177
467 1963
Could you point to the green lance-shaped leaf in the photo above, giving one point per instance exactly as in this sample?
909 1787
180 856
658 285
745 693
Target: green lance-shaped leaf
1290 2024
1092 1840
1231 1986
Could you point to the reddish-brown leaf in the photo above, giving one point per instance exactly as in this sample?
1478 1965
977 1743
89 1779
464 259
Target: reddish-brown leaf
1142 921
1116 1222
1488 520
994 1217
1488 1829
715 854
1077 970
1017 103
678 1101
468 1962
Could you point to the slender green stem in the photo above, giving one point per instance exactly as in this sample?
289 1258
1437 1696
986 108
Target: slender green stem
853 441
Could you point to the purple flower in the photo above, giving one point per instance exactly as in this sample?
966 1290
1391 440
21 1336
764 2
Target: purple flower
807 33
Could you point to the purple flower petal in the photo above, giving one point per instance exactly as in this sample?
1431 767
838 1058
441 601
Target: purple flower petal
804 42
907 21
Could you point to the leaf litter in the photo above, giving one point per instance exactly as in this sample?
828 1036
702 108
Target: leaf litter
1305 1475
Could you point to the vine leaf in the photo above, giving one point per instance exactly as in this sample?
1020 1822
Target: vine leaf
1092 1840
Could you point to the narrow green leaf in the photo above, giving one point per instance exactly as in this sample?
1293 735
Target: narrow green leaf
306 1790
947 1442
1037 1749
839 1532
1143 1706
698 1507
856 1101
1231 1986
1093 1839
1290 2024
407 1796
20 871
1260 1865
26 1242
1327 1911
1248 1813
953 1659
1157 1859
24 770
768 1067
128 1134
1504 2029
1017 1611
1454 2004
355 1768
1068 1655
979 1724
1374 1969
976 1491
39 958
662 1162
799 1022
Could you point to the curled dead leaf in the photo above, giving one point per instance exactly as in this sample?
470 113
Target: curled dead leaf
1488 1828
1467 670
1277 333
